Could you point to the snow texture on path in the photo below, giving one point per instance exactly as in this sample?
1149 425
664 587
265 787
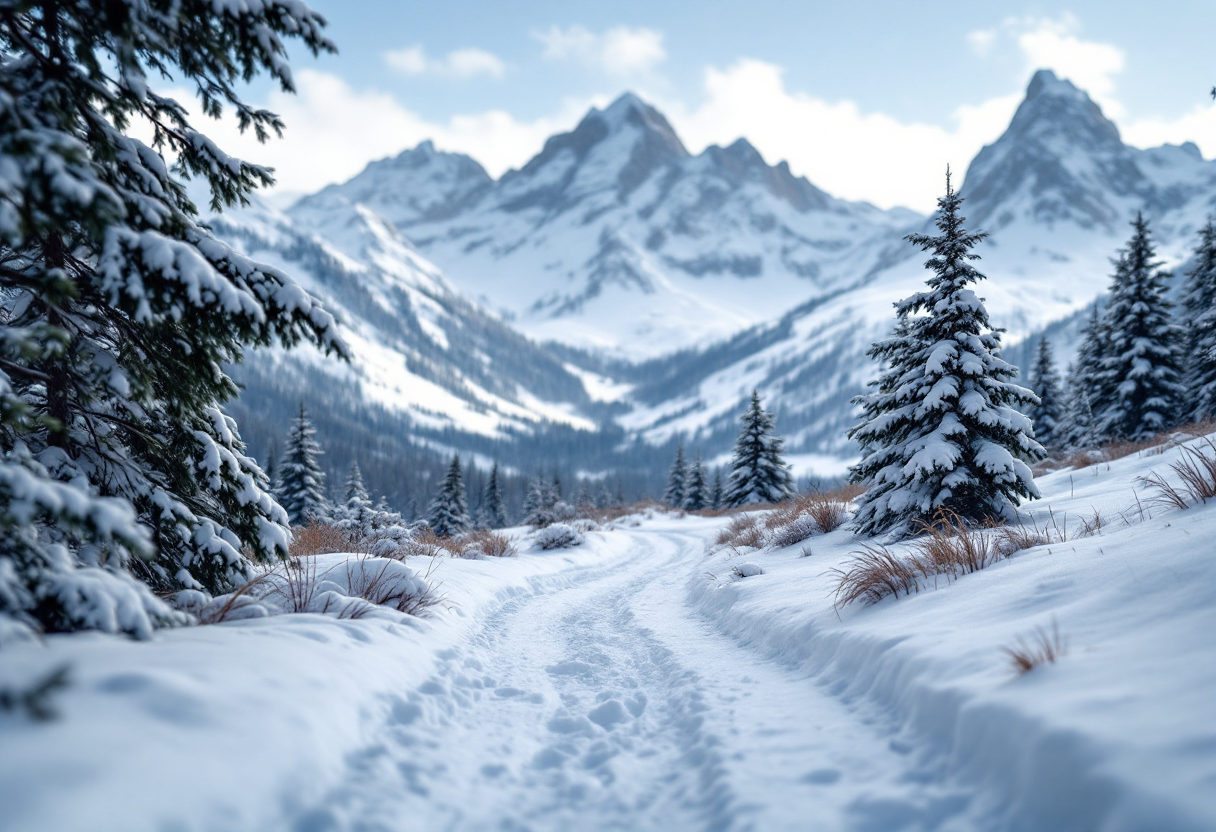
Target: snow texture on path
607 705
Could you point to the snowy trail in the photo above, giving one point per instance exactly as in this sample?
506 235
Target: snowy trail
602 702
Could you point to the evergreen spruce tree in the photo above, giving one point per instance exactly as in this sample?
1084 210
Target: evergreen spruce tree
944 426
1079 429
674 495
715 495
121 311
493 515
301 480
1048 414
618 496
1139 382
583 497
1199 319
449 512
603 499
696 494
354 515
758 471
534 498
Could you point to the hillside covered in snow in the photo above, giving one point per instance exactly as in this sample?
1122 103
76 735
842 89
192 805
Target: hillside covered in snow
653 677
617 288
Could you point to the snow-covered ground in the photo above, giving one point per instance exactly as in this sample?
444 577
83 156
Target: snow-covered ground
635 683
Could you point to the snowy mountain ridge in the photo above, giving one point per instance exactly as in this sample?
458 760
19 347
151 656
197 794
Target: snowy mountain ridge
614 237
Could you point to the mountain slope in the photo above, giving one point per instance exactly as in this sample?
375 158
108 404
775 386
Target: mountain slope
614 237
1056 191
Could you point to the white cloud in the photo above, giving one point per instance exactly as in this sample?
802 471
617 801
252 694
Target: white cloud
1052 43
981 41
333 131
618 51
841 148
1198 126
461 63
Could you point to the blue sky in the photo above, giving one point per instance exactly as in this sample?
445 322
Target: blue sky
867 99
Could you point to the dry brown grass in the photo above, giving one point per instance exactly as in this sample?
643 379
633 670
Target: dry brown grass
950 548
1117 449
874 573
1042 648
947 547
317 539
1197 472
488 543
744 530
802 516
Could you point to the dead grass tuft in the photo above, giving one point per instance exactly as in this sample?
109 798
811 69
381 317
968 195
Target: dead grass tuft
489 543
1042 648
1197 472
950 548
744 530
874 573
317 539
381 586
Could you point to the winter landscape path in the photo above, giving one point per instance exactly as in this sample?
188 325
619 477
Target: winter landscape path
602 701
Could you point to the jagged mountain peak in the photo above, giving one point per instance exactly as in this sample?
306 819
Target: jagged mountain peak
417 185
1060 159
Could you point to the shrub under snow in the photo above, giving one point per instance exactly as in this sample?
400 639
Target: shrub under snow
557 536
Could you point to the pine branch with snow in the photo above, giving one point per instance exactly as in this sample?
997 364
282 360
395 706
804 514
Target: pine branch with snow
102 260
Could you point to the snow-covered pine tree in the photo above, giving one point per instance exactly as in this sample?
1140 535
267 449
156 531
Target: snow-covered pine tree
449 511
1139 383
582 495
1078 429
301 480
715 493
676 477
354 516
1048 414
492 515
696 495
1199 320
122 310
603 498
944 425
534 498
758 473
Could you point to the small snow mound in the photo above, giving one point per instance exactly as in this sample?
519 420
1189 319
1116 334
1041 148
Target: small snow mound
747 570
557 536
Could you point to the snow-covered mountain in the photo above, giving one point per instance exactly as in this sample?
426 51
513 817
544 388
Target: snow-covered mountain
614 237
1056 191
418 345
616 240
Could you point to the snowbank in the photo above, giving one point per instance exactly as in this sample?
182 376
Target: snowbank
1118 734
224 726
